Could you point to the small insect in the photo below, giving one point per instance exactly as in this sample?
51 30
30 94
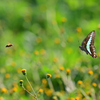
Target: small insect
9 45
88 44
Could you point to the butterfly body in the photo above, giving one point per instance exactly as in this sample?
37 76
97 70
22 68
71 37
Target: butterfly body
88 44
83 49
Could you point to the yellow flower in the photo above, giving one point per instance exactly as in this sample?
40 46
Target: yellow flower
79 82
19 70
1 98
95 76
99 54
54 97
63 19
62 30
48 92
72 98
36 52
40 90
94 84
99 85
28 87
38 40
89 94
78 29
61 68
98 26
21 82
7 75
58 94
57 76
68 98
14 89
77 98
4 90
57 40
44 81
15 84
24 71
68 71
54 23
84 98
90 72
42 52
55 59
13 64
48 75
62 92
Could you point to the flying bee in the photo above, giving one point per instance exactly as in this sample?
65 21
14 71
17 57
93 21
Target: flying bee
9 45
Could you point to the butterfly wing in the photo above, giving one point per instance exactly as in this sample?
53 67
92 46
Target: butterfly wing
87 38
92 47
84 43
93 53
93 36
87 44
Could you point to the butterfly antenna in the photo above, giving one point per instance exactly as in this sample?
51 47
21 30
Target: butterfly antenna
78 42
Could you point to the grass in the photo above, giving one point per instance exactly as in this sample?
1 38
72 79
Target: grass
46 37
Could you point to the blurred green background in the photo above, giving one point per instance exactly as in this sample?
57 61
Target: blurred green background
46 36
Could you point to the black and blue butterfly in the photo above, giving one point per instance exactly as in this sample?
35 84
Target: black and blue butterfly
88 44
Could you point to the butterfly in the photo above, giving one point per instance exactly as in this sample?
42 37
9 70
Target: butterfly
9 45
88 45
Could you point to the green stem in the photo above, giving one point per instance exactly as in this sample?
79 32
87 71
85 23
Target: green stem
40 87
28 92
30 86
